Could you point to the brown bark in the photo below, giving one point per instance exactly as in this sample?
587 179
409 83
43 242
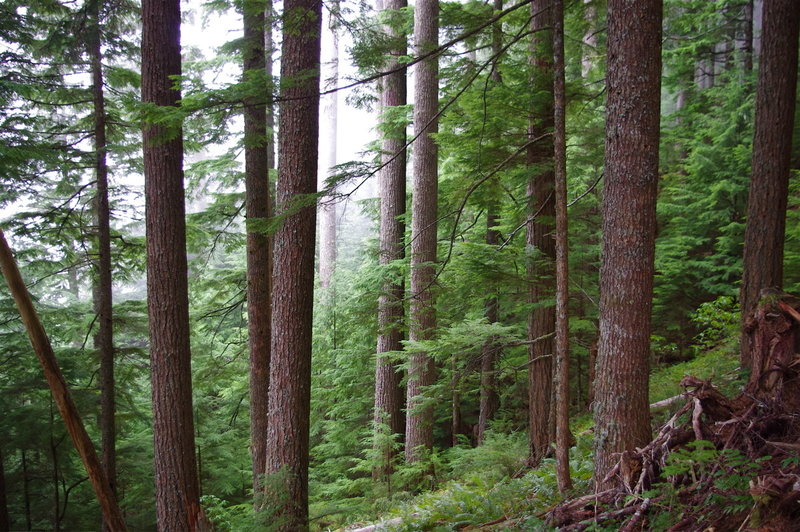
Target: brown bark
177 488
539 235
419 425
621 414
327 208
388 393
104 339
58 387
488 392
772 148
257 142
5 519
293 270
562 263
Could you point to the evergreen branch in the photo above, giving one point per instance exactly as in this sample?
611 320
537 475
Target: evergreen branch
436 51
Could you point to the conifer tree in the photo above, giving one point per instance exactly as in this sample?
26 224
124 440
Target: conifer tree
177 489
104 338
258 144
622 420
539 235
388 394
293 271
422 318
772 151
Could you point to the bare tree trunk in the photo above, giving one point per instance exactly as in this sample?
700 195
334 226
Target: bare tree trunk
488 392
388 393
327 208
419 426
177 487
590 52
622 420
293 270
26 491
539 235
258 207
562 260
104 339
5 519
747 44
772 150
58 388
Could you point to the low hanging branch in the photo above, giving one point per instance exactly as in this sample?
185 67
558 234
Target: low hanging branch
58 387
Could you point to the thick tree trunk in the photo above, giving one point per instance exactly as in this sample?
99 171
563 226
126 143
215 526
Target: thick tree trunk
293 270
58 388
327 208
419 425
258 209
539 234
621 415
563 434
177 488
772 149
104 339
392 182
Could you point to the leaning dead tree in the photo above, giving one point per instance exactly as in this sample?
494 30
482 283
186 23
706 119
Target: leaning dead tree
58 387
754 435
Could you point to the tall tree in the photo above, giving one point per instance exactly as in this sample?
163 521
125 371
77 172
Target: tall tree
388 393
5 519
772 150
104 339
327 209
177 488
489 352
633 78
539 234
562 262
422 319
257 163
293 271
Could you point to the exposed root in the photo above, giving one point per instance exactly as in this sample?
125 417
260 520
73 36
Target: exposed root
753 480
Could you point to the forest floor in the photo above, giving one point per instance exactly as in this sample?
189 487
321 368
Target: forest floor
726 459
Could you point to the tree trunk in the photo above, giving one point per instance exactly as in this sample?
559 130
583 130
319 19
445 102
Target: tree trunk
622 420
177 488
392 177
419 425
772 149
590 52
258 210
539 234
26 491
747 44
293 271
104 339
488 392
5 519
58 388
562 262
327 208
